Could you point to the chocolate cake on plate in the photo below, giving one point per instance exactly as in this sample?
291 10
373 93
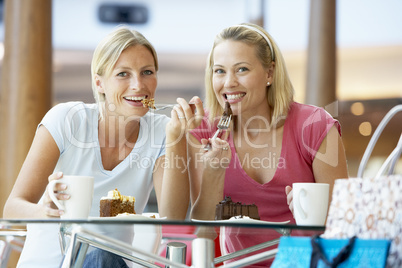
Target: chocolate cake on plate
227 209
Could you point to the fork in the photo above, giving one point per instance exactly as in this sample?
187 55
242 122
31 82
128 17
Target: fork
223 124
162 107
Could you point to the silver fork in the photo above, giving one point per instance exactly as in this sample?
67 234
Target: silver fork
223 124
162 107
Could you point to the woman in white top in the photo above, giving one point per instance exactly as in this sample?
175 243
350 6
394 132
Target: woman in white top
117 141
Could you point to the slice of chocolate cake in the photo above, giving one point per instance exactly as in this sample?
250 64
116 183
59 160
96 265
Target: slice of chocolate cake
227 209
115 203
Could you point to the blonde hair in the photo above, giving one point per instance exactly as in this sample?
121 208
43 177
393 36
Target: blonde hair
108 52
280 93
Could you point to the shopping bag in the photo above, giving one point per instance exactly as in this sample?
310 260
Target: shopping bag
370 209
295 252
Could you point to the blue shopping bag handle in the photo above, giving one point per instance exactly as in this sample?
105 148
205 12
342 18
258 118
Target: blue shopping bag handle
318 253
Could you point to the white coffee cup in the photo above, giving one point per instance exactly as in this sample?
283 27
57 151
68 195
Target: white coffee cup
80 189
310 203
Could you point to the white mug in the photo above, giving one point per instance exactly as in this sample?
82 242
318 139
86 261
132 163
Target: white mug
80 189
310 203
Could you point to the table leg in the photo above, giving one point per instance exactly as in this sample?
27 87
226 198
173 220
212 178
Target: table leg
81 239
202 253
176 252
5 251
75 254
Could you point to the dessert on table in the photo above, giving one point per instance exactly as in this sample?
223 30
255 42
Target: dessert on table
115 203
227 209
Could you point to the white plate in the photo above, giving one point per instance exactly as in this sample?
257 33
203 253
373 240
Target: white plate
243 220
125 217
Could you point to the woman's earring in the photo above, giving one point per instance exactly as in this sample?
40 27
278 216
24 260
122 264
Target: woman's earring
268 84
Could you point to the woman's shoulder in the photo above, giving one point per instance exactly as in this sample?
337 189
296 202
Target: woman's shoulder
73 104
305 116
303 110
70 119
71 111
74 107
307 113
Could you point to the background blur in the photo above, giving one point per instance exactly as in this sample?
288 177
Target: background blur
369 53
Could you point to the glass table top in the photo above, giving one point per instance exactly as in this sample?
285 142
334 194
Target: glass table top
104 233
241 223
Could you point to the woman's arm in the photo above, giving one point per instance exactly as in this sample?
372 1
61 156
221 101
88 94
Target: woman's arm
330 161
207 176
171 175
33 178
329 164
171 182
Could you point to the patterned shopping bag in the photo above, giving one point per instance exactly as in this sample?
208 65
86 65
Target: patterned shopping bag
369 209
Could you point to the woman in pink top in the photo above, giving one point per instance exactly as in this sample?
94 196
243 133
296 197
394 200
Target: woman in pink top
273 141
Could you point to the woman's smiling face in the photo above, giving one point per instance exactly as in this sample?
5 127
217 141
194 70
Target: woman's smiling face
132 79
239 77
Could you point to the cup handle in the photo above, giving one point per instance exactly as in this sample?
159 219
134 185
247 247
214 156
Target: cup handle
50 191
303 212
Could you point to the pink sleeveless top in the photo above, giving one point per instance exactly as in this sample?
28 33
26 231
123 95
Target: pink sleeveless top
305 128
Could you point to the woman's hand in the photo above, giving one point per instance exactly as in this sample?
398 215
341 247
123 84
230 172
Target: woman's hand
218 158
50 208
184 117
289 198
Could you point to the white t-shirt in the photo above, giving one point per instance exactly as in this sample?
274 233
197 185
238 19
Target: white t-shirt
74 127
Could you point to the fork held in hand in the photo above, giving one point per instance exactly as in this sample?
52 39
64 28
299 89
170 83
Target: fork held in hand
159 107
223 124
162 107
